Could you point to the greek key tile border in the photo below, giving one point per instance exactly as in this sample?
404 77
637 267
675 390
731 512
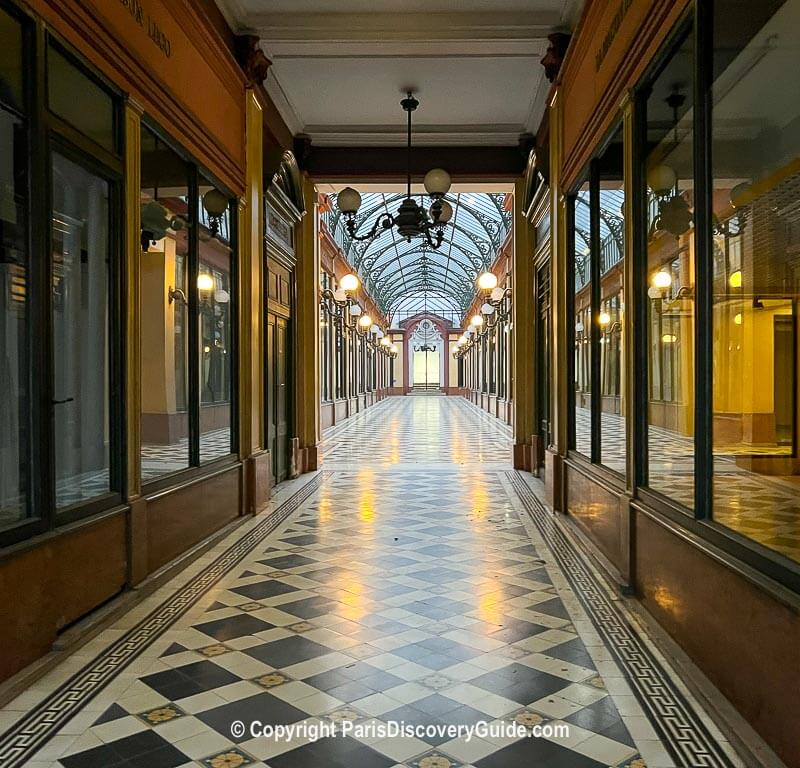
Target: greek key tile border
675 720
20 742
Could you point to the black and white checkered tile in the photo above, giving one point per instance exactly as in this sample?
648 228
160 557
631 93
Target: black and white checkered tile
405 592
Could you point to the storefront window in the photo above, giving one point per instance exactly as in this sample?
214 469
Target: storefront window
214 295
325 344
610 317
188 294
80 302
755 156
14 270
78 100
582 313
671 277
60 347
166 226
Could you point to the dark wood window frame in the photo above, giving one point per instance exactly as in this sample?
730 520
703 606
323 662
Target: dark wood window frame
195 468
46 134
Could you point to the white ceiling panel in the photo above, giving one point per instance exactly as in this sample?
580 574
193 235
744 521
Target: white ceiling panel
339 69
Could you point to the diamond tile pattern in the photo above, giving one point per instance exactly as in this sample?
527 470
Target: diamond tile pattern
406 588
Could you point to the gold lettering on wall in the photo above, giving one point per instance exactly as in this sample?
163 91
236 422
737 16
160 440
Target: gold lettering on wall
149 25
613 28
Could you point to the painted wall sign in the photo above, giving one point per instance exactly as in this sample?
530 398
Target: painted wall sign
149 25
613 28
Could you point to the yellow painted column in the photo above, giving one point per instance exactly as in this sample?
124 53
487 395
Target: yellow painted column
559 293
251 417
558 243
307 395
133 252
523 318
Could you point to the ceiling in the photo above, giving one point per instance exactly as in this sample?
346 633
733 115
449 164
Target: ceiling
410 277
338 76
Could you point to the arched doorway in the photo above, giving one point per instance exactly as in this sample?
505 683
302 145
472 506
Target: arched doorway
425 347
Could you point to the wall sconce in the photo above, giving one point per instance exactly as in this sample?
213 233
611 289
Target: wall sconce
216 204
176 294
205 282
487 281
662 279
349 283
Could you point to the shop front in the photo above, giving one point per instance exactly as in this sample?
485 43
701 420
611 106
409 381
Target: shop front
675 185
122 163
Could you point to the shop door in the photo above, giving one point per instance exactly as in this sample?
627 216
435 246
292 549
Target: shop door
278 416
281 468
279 350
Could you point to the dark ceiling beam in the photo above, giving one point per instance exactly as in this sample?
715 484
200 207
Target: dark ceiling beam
388 164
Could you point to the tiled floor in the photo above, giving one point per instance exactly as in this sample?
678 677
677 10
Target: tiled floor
411 581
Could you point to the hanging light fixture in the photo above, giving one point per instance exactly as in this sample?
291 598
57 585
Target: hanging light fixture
411 220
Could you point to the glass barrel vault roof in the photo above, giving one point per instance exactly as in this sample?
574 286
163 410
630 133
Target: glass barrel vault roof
408 277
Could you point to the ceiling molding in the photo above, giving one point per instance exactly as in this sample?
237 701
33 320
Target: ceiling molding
428 49
448 57
431 27
431 136
283 105
234 12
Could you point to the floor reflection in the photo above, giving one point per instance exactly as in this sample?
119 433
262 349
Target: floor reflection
764 508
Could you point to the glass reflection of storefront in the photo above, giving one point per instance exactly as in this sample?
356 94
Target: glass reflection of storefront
187 318
717 264
597 259
755 272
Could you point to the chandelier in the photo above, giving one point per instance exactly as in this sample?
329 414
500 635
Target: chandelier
411 220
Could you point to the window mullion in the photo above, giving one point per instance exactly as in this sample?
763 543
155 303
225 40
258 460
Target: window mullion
703 206
194 317
596 397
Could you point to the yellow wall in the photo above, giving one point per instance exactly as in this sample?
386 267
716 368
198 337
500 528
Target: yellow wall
158 330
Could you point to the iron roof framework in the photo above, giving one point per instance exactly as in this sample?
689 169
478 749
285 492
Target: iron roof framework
611 232
411 276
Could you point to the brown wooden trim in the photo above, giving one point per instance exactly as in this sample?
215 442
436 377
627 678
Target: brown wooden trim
639 47
86 27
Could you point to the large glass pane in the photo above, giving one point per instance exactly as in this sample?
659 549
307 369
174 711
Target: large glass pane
76 98
325 343
671 279
756 270
11 77
214 292
165 324
80 286
582 309
13 283
613 398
